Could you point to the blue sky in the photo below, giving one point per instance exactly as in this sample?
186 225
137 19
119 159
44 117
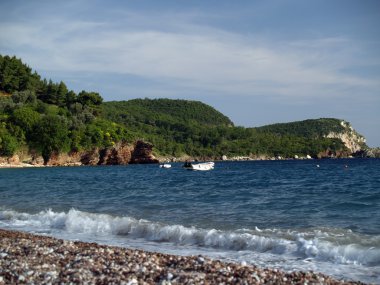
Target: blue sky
258 62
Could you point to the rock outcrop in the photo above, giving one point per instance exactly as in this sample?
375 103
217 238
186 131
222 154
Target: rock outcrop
117 155
352 139
120 154
370 152
142 153
333 154
90 157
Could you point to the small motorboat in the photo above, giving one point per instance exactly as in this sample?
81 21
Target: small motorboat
199 166
165 165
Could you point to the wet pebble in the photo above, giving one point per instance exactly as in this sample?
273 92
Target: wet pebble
31 259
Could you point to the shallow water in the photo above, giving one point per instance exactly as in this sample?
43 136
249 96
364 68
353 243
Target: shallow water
291 215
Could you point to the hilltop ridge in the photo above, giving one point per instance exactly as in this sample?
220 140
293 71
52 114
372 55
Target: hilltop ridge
162 110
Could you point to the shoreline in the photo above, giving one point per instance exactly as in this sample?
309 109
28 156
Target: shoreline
30 258
20 165
76 164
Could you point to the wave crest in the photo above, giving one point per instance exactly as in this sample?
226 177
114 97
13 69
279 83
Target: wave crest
315 244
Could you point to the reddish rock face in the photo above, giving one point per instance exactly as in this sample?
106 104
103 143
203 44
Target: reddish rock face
124 154
14 160
142 153
90 157
119 154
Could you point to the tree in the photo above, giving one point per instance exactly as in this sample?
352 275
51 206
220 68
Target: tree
26 118
89 98
9 79
51 94
60 96
71 98
51 135
16 76
8 143
24 97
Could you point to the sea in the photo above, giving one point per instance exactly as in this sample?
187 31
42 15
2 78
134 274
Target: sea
319 215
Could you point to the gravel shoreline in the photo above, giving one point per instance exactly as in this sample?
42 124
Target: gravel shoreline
31 259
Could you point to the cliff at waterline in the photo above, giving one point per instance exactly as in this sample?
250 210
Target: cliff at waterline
120 154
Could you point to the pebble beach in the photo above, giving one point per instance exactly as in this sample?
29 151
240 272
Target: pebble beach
32 259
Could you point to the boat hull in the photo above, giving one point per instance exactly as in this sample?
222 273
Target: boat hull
200 166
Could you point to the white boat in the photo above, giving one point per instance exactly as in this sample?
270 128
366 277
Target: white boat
165 165
199 166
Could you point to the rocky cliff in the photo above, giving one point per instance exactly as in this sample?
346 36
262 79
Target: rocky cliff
142 153
372 152
119 154
352 139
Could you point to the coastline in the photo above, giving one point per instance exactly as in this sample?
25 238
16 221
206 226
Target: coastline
4 164
20 165
29 258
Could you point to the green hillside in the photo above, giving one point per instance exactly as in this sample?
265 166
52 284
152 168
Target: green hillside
175 127
179 127
44 117
307 128
161 112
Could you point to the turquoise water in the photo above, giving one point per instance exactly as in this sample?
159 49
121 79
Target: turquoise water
321 215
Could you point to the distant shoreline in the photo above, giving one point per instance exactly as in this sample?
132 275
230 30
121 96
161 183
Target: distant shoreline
30 165
21 165
29 258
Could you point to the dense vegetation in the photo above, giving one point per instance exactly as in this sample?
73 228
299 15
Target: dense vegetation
178 127
46 117
164 111
307 128
175 127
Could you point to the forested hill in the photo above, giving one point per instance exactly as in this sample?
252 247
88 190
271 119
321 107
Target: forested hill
307 128
43 117
164 112
317 128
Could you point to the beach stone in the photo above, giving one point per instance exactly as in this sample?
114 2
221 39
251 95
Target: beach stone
90 263
15 160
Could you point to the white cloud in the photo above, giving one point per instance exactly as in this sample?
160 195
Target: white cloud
200 58
196 54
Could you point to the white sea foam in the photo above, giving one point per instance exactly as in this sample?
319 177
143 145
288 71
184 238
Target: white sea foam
316 245
337 252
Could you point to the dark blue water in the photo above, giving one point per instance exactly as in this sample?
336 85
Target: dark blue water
327 211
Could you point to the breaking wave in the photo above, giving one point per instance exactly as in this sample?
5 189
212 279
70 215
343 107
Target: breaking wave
333 245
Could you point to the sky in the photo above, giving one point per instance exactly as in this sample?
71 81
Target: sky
258 62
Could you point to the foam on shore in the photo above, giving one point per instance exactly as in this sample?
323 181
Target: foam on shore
351 255
27 258
337 246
